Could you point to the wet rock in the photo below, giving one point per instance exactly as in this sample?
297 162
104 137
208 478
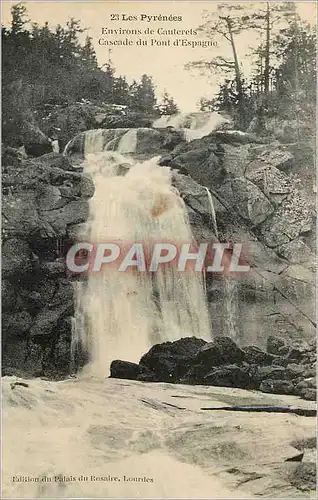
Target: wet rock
269 161
171 360
195 375
194 195
277 386
87 187
130 371
124 370
223 350
236 137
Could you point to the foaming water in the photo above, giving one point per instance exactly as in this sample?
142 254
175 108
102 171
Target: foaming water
128 142
127 312
194 125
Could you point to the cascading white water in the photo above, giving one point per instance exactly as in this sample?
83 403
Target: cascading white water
230 302
193 125
128 142
127 312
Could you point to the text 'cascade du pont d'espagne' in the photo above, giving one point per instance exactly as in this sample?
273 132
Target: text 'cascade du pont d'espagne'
151 36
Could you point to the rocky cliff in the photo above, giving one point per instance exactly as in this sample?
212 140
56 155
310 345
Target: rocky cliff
259 199
43 199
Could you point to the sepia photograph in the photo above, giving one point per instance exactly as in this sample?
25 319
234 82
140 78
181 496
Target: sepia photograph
158 249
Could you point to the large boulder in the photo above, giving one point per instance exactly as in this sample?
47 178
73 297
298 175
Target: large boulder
231 376
35 141
131 371
200 159
222 351
171 360
255 355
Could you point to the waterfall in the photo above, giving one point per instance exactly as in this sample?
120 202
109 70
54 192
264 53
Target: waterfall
230 308
127 312
213 214
230 288
128 142
193 125
79 346
93 141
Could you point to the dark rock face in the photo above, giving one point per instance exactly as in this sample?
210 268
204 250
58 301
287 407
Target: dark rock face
35 142
222 363
131 371
277 345
260 202
43 199
221 351
125 370
231 376
256 356
171 360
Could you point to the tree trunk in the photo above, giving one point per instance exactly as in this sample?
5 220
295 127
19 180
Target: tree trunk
237 75
267 49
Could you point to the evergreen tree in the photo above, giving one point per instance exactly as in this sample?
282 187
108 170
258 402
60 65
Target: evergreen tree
121 91
145 95
168 106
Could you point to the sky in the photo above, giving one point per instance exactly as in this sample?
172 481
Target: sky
164 63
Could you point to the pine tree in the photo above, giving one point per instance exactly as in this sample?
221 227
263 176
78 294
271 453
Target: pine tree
168 106
145 98
18 13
